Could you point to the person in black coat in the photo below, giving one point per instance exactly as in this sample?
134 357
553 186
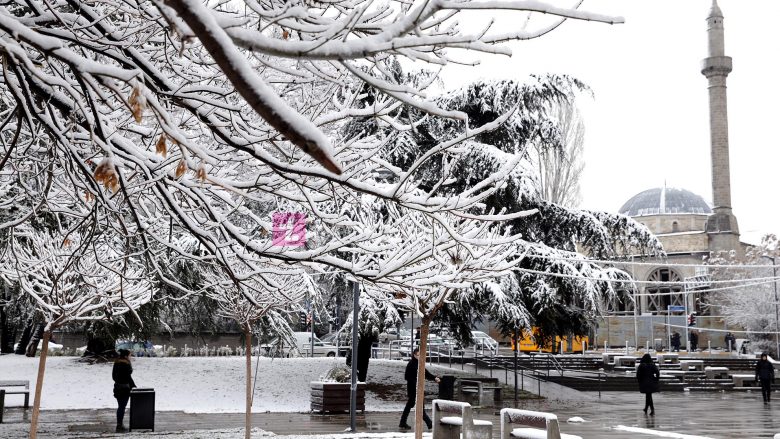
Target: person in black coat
676 342
765 374
123 382
730 341
648 375
694 339
411 389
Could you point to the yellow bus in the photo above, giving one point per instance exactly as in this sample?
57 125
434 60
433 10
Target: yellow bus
570 344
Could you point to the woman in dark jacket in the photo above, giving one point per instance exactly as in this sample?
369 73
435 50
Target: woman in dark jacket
765 374
648 375
123 382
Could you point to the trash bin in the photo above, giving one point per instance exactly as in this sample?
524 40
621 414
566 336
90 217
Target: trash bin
447 387
658 345
142 409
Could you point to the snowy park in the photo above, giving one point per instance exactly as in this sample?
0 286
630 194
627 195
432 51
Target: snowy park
292 218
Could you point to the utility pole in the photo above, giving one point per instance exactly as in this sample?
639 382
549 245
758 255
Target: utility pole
353 390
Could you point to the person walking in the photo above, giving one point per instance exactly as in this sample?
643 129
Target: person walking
123 382
676 342
765 374
648 375
694 339
729 341
411 389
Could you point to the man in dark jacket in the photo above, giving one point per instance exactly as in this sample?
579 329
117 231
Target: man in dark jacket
123 382
765 374
730 341
676 342
648 376
694 339
411 389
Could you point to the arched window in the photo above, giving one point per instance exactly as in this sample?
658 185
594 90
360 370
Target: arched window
675 227
662 295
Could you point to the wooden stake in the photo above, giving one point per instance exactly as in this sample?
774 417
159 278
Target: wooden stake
39 385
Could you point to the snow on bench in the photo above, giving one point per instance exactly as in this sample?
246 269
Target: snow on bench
713 372
542 425
452 418
692 364
741 379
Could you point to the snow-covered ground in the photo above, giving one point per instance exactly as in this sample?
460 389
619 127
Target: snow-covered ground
201 384
60 432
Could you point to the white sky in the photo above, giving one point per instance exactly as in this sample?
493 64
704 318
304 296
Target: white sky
649 120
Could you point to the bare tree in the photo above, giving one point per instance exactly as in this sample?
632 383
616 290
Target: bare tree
559 156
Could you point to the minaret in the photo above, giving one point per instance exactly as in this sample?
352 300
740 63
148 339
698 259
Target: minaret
721 225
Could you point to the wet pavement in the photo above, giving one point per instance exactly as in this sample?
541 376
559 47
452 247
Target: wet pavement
705 414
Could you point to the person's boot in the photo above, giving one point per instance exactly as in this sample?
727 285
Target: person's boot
120 428
404 426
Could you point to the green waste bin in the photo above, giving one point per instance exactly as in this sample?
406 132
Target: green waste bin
447 387
142 409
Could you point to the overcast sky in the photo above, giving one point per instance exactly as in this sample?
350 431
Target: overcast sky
648 122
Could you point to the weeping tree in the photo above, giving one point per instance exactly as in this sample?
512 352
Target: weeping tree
74 275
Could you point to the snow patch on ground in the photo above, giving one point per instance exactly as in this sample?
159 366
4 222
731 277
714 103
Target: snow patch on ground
200 384
659 433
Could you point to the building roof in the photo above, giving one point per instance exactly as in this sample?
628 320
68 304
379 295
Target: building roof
660 201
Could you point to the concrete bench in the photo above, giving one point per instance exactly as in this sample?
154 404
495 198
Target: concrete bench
714 372
697 365
541 425
668 357
11 387
625 361
477 387
609 358
453 420
741 379
677 374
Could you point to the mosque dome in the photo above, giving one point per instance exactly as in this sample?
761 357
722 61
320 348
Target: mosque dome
660 201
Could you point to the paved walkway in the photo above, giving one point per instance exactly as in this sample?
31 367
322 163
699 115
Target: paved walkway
715 415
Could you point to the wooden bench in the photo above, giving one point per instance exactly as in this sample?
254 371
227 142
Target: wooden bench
541 425
477 387
453 420
12 384
714 372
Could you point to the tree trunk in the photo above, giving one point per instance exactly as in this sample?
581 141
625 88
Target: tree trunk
248 341
21 349
39 385
420 404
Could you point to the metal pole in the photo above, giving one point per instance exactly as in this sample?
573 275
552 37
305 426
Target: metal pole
311 340
685 302
517 348
777 314
636 308
353 389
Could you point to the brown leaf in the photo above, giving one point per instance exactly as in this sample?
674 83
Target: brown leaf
285 34
200 174
181 168
161 147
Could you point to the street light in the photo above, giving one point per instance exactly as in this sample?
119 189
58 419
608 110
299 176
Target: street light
777 314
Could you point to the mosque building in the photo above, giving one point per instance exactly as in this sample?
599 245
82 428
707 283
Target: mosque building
689 229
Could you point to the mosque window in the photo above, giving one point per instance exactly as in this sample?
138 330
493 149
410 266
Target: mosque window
675 227
666 292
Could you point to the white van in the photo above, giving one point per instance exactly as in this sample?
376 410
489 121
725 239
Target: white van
303 347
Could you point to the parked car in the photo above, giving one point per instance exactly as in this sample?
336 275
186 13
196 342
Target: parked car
138 348
394 334
302 347
340 339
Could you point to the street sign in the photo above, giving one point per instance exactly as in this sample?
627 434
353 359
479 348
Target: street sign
678 308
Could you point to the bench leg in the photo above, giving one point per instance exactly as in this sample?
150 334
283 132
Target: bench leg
26 400
2 405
